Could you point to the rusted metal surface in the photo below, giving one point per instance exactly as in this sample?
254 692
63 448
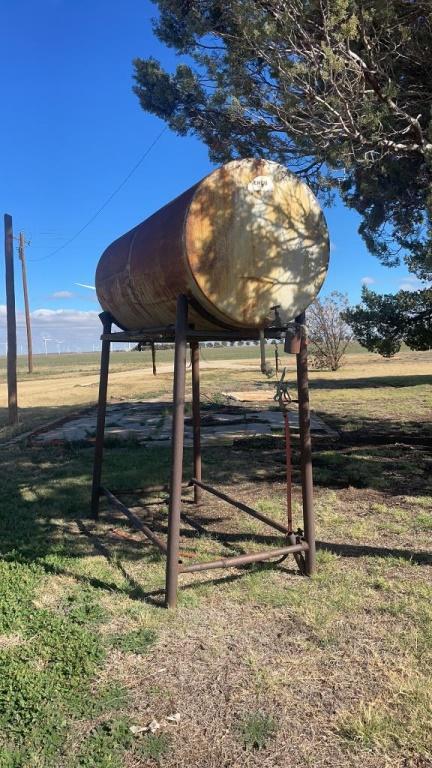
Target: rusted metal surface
255 557
276 355
262 351
241 506
299 557
196 418
293 339
133 519
177 452
153 354
247 238
101 414
288 467
168 334
306 449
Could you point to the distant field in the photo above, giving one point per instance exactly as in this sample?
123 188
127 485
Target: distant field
88 362
62 384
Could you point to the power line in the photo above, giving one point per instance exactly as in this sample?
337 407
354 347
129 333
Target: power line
108 200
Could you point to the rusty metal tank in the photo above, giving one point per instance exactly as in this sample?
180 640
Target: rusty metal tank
246 239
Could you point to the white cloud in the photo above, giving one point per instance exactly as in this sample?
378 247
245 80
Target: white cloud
62 295
406 287
411 283
64 316
367 280
75 328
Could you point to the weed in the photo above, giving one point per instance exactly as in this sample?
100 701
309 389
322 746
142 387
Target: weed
105 745
257 729
153 746
136 641
112 697
368 728
82 607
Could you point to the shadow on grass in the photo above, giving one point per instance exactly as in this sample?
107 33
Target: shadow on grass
46 494
364 550
371 382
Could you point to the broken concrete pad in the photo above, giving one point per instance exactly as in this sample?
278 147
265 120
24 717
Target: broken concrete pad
150 424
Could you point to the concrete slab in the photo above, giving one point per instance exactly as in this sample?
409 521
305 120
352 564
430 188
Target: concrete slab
150 424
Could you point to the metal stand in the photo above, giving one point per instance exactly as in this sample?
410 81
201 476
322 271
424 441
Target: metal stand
196 418
101 412
302 546
306 450
177 452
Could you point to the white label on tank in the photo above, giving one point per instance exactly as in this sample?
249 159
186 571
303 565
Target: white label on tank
261 184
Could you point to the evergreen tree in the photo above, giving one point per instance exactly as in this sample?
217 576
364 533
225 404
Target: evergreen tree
382 323
339 91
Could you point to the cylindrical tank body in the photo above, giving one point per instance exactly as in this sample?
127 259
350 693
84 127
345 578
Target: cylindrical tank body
246 239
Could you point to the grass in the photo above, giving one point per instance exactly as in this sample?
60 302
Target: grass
154 746
137 641
257 729
259 662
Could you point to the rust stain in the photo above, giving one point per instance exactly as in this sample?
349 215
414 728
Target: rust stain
246 238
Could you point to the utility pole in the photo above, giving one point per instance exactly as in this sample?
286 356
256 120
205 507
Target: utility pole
11 322
21 252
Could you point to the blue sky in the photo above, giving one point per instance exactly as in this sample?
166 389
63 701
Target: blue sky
72 129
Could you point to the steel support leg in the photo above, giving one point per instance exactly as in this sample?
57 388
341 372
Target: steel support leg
101 412
306 450
177 452
196 418
262 351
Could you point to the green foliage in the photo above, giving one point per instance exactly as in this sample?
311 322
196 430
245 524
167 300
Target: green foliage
334 90
257 729
105 744
382 323
137 641
82 607
153 746
111 697
44 670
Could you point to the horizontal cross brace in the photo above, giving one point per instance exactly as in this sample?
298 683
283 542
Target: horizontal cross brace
256 557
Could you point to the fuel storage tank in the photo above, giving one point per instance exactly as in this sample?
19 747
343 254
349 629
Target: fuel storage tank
247 238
